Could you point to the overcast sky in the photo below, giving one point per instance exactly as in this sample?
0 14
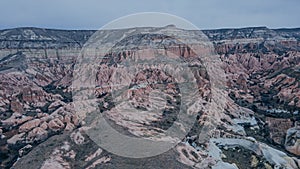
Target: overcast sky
93 14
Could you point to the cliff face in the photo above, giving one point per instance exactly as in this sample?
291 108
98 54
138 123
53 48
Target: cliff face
262 69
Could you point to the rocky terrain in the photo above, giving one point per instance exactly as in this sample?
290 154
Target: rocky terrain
257 127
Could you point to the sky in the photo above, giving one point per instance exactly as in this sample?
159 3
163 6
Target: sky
93 14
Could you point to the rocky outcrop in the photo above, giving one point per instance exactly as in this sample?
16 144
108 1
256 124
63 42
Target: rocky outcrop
292 141
262 70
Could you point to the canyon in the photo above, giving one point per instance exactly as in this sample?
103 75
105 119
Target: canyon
253 121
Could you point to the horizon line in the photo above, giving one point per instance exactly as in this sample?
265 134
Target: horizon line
208 29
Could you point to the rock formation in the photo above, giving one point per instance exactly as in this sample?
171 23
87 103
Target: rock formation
259 122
